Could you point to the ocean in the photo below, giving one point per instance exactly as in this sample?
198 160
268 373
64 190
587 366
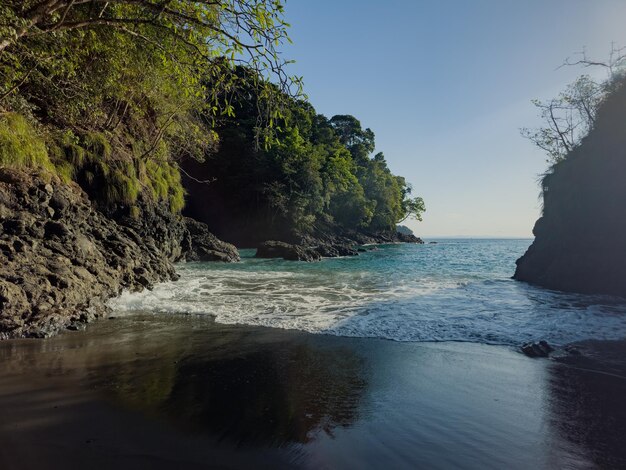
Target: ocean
451 290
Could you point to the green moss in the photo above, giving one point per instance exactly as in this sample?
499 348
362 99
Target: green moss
177 199
88 158
103 168
21 145
65 170
75 155
135 212
89 177
97 145
164 184
121 188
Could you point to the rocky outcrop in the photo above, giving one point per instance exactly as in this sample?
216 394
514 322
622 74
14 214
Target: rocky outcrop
334 250
329 244
61 259
538 349
356 237
277 249
580 240
311 251
204 246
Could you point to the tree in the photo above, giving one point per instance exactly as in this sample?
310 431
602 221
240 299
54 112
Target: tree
120 90
413 207
319 174
571 115
211 28
199 41
359 142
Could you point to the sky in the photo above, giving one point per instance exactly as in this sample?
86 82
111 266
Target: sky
446 86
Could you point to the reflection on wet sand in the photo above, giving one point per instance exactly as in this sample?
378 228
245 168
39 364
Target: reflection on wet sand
274 393
235 384
183 392
587 402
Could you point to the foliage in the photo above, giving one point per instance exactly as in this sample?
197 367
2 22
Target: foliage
123 90
318 171
21 145
149 80
570 116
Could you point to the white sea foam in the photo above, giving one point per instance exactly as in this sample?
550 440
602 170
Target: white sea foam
396 293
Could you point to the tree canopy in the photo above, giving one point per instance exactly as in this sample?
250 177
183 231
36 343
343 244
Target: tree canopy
570 116
119 90
114 94
320 171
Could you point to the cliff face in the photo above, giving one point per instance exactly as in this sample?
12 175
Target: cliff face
580 241
61 259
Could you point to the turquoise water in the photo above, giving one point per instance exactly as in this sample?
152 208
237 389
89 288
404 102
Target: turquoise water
454 290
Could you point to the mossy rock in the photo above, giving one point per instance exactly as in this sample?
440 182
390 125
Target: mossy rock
21 145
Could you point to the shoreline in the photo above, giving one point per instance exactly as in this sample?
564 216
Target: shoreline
62 258
153 391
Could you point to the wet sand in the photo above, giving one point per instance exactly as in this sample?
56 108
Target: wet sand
184 392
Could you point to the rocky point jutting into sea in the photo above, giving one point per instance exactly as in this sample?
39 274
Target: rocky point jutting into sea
580 242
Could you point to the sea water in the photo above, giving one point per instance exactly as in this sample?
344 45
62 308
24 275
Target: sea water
452 290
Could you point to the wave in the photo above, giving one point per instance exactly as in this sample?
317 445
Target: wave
389 294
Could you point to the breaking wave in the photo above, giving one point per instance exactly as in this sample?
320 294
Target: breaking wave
456 290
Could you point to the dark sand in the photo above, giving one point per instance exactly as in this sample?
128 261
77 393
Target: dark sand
183 392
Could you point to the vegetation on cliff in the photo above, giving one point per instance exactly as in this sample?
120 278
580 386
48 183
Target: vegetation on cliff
112 94
320 175
580 242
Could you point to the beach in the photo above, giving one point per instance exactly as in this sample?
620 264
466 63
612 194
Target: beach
176 391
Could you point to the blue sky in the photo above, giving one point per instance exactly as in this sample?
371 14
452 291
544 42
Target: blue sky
446 85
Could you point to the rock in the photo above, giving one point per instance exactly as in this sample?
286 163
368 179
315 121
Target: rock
580 239
573 350
404 238
537 349
15 226
62 257
57 229
19 246
56 274
278 249
204 246
58 202
333 251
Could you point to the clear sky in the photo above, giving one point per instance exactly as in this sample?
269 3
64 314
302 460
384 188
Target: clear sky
446 85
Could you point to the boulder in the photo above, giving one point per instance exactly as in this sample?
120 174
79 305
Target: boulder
537 349
204 246
278 249
335 250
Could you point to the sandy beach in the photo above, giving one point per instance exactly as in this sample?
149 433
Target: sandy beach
183 392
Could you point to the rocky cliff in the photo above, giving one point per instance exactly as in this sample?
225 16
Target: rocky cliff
61 259
580 242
